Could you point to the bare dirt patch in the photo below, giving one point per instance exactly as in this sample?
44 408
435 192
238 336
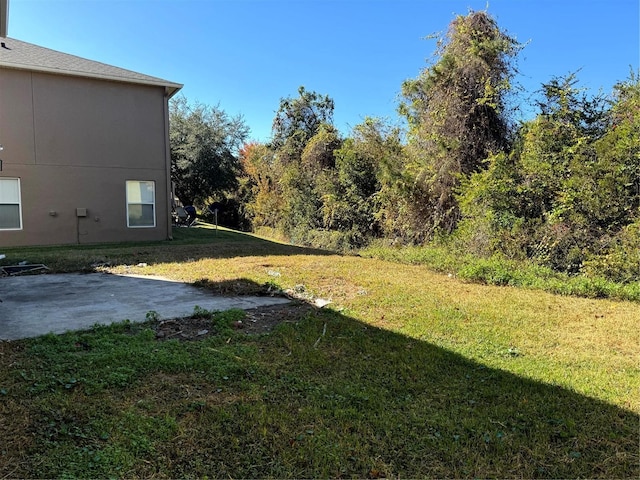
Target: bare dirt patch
257 321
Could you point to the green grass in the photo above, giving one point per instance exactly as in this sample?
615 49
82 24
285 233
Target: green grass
501 271
408 373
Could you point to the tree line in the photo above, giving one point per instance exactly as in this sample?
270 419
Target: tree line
561 189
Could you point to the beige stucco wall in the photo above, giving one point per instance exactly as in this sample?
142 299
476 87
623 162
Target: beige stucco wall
74 143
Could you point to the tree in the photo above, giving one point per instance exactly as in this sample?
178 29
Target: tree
204 141
349 202
457 114
260 189
303 140
297 120
370 175
568 104
318 153
569 186
602 195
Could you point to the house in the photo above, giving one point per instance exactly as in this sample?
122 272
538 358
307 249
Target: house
84 149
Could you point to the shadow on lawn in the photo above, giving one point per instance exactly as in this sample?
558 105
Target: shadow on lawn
427 411
189 244
327 396
226 243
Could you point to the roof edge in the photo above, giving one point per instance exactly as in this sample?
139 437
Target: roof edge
112 73
171 87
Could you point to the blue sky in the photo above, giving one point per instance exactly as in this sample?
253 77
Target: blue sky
245 55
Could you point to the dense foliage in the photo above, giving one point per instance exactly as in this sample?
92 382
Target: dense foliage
457 115
567 195
203 142
560 190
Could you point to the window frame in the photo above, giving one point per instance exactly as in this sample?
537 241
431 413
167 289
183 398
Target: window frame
140 203
18 203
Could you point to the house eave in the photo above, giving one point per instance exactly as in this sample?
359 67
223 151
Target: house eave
170 88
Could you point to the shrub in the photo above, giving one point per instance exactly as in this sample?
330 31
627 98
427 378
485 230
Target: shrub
333 240
621 260
493 271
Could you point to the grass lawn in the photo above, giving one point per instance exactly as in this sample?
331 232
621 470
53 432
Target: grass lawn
407 373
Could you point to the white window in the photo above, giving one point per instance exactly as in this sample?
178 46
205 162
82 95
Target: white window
141 204
10 208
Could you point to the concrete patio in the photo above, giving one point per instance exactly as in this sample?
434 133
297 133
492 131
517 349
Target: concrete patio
33 305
